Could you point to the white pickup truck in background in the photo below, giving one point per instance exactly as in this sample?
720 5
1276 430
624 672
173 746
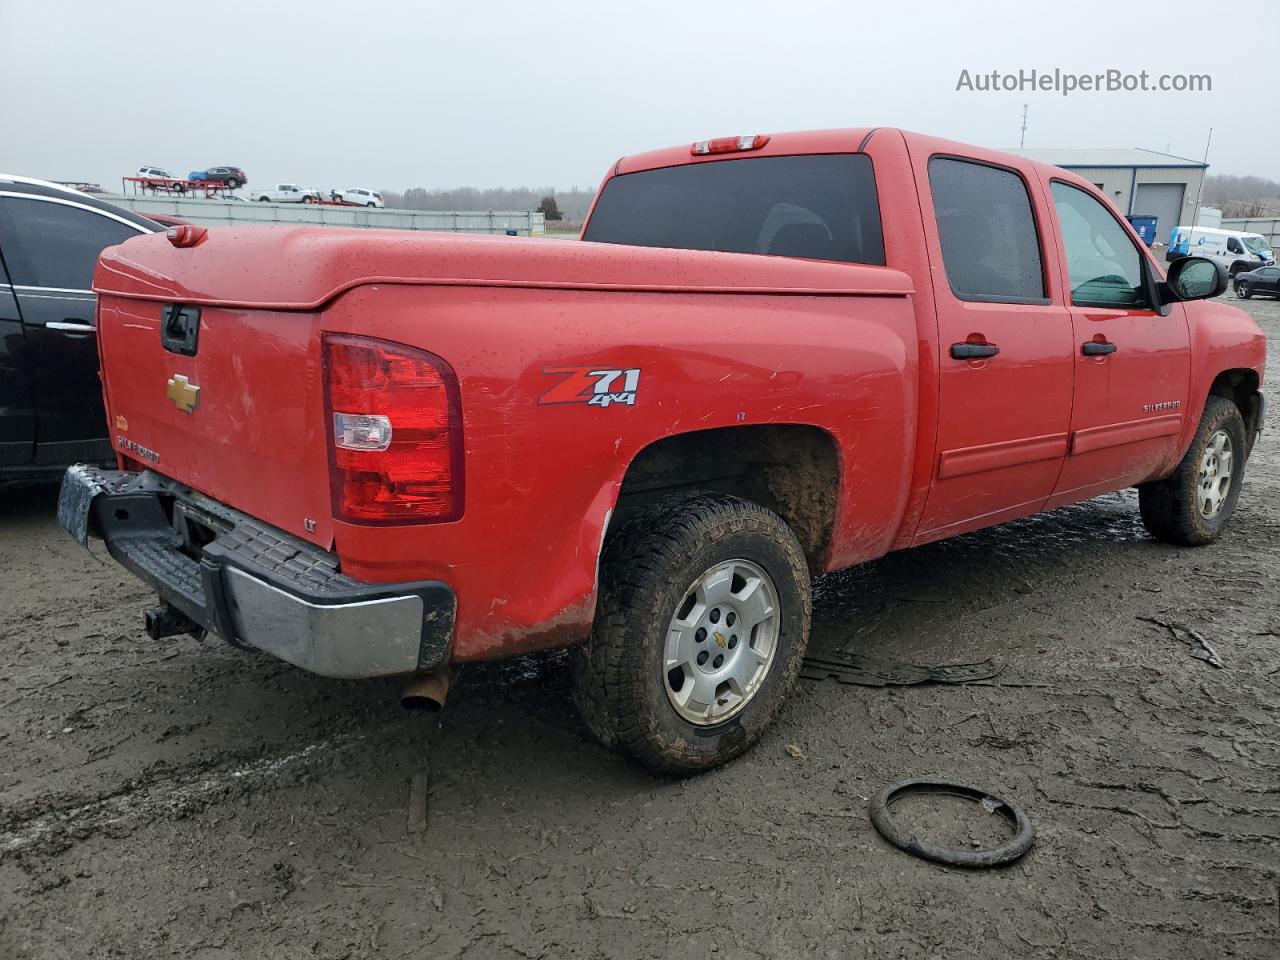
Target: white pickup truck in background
287 193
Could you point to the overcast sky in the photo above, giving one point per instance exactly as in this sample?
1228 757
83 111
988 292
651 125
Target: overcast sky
396 93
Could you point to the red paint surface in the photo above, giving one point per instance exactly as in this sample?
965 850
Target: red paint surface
929 446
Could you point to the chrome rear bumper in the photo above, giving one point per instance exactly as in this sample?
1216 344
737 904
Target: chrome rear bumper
254 585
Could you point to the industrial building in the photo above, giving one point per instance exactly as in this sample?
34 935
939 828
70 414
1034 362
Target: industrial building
1139 182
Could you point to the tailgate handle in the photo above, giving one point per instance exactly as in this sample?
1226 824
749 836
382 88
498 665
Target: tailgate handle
180 329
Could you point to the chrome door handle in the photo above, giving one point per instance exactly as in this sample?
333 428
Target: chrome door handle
71 327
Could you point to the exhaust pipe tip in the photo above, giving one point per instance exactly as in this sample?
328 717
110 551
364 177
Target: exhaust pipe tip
420 704
426 692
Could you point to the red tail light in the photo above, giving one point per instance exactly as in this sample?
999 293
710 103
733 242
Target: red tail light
395 432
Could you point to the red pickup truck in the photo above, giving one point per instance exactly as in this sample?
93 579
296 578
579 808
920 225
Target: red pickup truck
382 452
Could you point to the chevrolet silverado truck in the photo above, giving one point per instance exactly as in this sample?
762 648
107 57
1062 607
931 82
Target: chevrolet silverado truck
389 452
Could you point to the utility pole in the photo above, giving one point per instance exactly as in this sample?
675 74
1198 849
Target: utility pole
1022 140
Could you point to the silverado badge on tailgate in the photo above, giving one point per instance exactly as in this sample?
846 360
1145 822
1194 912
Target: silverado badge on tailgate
184 394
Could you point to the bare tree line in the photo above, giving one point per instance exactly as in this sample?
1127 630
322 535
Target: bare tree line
573 203
1242 196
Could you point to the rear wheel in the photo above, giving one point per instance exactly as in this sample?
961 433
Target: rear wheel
1192 506
1242 289
233 183
702 622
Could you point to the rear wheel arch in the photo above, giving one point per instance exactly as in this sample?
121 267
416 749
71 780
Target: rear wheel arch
791 469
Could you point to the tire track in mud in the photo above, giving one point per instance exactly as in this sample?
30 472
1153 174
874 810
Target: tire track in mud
61 821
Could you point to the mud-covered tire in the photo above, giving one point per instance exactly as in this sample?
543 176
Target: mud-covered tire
1171 508
649 566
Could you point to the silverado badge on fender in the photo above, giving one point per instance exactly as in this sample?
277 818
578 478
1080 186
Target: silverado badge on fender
184 394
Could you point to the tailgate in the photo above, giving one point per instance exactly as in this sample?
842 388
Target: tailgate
240 419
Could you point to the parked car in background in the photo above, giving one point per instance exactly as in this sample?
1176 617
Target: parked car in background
286 193
50 396
1263 280
1235 250
158 173
233 177
359 196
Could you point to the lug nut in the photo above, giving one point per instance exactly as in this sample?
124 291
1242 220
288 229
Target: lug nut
718 661
731 618
715 615
733 641
700 634
702 658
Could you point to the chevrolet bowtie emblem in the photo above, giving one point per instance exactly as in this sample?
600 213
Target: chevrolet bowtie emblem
184 394
719 638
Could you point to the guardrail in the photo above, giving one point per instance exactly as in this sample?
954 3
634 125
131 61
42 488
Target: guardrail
214 213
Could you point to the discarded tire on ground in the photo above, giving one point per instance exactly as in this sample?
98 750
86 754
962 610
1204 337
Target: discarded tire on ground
1023 837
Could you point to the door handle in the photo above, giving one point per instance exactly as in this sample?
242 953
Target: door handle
973 351
70 326
1097 348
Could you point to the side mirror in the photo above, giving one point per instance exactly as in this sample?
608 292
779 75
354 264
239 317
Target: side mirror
1194 278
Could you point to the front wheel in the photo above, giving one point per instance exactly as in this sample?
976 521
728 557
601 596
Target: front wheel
1192 506
702 622
233 183
1242 290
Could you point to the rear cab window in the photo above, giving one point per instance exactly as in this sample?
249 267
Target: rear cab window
815 207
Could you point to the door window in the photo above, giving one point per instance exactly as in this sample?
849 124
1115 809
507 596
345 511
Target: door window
50 244
1233 245
1104 266
990 245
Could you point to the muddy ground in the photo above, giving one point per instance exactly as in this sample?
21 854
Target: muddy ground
183 799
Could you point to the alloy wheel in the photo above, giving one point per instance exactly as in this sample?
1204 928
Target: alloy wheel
721 642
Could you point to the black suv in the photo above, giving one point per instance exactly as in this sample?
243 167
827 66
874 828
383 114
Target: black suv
51 412
233 177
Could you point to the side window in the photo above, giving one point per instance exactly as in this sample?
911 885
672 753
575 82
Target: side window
1233 245
1104 266
989 241
49 244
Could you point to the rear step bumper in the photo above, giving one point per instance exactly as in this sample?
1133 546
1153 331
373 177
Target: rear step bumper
255 585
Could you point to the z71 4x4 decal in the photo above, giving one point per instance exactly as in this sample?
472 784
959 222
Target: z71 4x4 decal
592 385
